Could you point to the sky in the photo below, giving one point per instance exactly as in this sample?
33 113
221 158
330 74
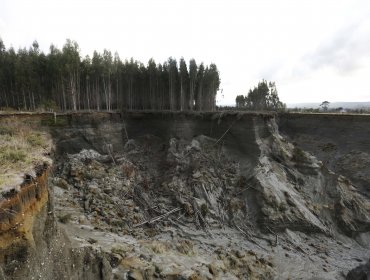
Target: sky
314 50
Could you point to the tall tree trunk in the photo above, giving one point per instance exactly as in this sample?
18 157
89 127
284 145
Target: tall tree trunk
24 101
181 96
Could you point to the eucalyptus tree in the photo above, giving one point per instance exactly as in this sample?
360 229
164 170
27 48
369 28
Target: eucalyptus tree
274 102
263 97
184 82
21 77
172 82
34 73
131 73
85 76
97 73
143 88
153 78
29 80
213 86
117 69
192 82
71 61
199 87
106 79
53 84
3 87
325 105
163 86
240 101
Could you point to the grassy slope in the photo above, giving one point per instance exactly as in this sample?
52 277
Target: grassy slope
23 145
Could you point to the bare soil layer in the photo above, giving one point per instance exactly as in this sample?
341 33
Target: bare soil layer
148 195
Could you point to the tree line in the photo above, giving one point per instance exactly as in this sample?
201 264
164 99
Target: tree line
62 80
263 97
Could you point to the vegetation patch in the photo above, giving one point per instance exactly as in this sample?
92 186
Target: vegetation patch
55 122
12 156
5 130
22 146
36 140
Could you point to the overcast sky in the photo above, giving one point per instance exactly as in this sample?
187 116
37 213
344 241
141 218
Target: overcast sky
315 50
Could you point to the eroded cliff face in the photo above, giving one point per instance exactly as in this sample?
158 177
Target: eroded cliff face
339 141
191 196
32 246
19 208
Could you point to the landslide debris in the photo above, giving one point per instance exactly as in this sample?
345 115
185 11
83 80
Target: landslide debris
362 272
191 210
164 197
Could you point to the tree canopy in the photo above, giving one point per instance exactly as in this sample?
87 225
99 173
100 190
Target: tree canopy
263 97
62 80
325 105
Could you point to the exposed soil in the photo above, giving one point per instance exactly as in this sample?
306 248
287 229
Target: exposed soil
199 196
200 208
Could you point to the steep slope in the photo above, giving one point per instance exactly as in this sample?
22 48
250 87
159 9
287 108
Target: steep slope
192 196
339 141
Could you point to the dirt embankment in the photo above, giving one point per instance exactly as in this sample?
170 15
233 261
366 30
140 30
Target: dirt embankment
341 142
192 196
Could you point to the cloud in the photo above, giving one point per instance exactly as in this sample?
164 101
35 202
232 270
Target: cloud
2 26
344 52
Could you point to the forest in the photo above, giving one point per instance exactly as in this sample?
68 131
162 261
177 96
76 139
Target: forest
62 80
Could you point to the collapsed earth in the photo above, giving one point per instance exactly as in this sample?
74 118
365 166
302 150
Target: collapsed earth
166 195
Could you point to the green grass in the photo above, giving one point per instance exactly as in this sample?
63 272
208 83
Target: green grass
12 156
36 140
22 147
5 130
58 122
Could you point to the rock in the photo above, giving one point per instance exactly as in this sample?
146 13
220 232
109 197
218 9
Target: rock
82 219
146 258
213 269
86 154
130 145
108 190
362 272
195 145
62 183
93 189
115 259
134 275
240 254
92 240
197 175
206 185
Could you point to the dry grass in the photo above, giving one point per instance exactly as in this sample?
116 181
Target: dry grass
23 145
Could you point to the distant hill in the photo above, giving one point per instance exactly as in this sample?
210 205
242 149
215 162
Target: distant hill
346 105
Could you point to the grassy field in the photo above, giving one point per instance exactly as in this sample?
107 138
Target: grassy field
23 145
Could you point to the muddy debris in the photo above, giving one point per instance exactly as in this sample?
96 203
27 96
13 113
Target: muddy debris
193 212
